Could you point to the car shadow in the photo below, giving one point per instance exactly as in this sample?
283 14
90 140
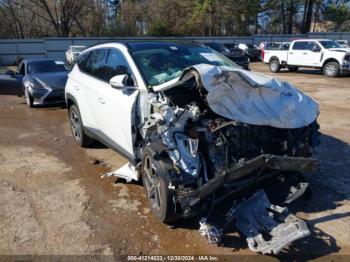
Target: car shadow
53 106
97 145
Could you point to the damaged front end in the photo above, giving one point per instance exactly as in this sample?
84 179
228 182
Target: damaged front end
228 130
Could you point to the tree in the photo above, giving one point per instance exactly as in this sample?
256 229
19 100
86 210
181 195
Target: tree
10 11
60 14
337 13
308 11
41 18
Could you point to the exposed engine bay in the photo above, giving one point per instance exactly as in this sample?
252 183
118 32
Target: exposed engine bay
209 145
202 143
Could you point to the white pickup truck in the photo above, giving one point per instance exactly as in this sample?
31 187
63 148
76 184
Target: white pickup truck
323 54
73 52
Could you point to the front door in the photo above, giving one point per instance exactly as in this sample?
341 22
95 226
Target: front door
302 54
312 54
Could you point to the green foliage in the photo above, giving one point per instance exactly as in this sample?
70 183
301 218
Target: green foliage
160 28
337 14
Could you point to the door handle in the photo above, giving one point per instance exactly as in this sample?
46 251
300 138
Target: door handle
291 53
101 100
305 53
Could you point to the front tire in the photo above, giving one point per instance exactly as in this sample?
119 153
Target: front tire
29 98
331 69
155 177
274 66
77 129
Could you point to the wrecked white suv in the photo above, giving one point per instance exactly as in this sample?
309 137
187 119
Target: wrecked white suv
190 122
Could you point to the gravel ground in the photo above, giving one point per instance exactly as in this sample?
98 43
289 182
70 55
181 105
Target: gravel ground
53 201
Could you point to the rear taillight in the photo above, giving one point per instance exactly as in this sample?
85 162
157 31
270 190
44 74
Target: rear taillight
262 54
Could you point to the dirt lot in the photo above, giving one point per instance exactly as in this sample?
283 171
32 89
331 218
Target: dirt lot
53 201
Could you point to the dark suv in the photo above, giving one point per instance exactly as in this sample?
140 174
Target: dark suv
236 55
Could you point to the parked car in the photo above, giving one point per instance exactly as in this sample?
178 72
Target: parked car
323 54
73 53
343 43
252 51
43 80
231 46
188 120
235 54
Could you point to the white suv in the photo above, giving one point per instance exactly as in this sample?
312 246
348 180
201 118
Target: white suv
189 121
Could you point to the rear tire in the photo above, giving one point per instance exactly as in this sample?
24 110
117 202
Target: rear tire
274 66
77 128
293 68
155 177
331 69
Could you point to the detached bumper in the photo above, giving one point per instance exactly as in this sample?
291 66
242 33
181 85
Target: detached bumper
245 168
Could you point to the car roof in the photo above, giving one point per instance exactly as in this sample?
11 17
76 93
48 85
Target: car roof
139 44
39 60
312 39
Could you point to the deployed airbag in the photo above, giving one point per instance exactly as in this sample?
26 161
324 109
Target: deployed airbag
254 98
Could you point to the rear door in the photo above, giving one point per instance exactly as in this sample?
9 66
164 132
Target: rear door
86 85
115 108
296 54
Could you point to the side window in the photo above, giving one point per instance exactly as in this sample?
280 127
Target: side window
312 45
116 65
82 61
95 64
300 45
285 46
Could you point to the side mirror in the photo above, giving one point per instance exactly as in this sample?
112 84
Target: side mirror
316 49
10 73
122 82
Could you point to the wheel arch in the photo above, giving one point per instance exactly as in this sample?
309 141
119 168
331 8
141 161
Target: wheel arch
70 100
329 60
274 58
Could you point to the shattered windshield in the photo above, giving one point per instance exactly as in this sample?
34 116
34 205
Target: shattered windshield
162 62
329 44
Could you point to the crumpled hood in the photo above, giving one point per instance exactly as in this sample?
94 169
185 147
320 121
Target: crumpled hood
254 98
53 80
